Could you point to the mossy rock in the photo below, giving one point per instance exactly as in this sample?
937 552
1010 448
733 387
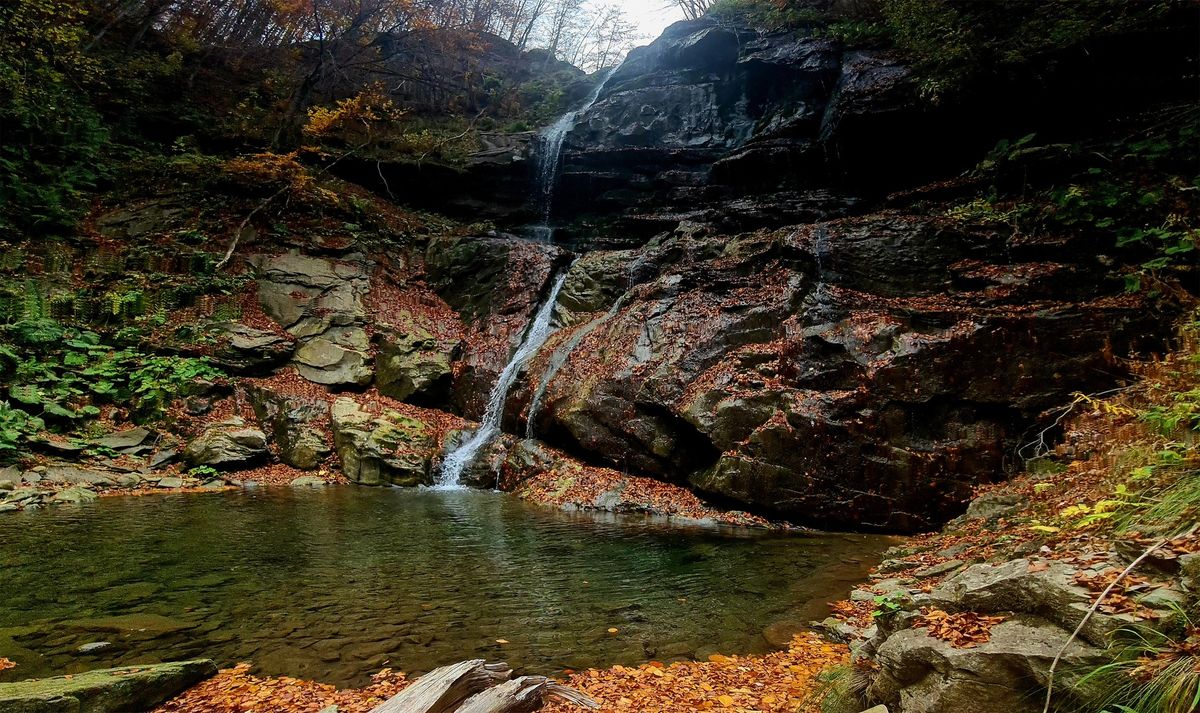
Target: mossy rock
113 690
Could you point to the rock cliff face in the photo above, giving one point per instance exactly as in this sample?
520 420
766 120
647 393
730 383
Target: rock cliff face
859 372
746 129
741 128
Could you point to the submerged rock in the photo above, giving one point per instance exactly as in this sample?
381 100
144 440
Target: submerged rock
114 690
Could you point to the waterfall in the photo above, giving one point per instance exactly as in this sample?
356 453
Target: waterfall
550 157
535 336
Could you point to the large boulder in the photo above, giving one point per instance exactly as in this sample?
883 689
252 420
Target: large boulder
299 427
1045 589
114 690
319 302
340 356
245 350
227 444
922 674
414 365
381 449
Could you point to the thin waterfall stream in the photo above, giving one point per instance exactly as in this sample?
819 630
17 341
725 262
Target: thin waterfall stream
550 158
489 427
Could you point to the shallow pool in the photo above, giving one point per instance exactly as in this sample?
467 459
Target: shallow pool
334 584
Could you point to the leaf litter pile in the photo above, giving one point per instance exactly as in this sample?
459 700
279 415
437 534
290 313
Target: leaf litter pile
963 630
780 682
235 690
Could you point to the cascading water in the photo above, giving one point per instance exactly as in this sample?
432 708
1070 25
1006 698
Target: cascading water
550 158
539 330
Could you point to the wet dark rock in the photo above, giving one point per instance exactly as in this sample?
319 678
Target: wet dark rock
496 283
845 372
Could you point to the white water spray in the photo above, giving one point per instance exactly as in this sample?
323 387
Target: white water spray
550 157
539 330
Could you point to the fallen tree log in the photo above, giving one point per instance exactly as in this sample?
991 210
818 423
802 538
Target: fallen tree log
471 687
444 689
523 695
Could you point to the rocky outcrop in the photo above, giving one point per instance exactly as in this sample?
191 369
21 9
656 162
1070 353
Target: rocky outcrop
319 302
246 350
922 674
860 372
105 691
381 449
496 283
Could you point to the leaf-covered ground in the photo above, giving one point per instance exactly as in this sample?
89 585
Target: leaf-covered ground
782 682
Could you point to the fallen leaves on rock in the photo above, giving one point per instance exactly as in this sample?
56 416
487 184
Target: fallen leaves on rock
6 664
235 690
583 485
1118 600
963 630
780 682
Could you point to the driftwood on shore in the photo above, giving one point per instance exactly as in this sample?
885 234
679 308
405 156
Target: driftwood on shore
478 687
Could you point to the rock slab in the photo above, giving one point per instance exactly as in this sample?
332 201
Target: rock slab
114 690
